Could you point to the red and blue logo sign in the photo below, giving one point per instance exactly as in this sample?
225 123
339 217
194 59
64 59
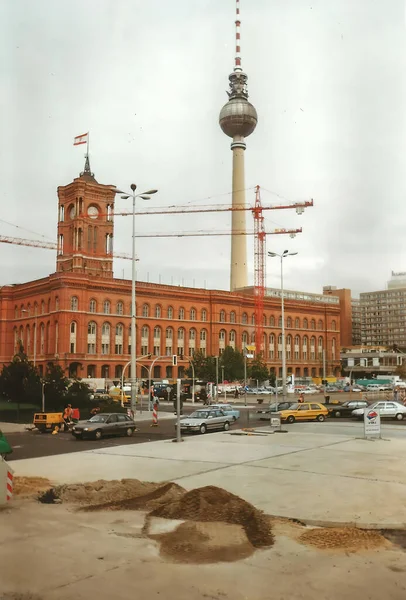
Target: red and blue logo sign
372 414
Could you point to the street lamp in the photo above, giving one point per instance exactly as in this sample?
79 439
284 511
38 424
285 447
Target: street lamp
284 254
145 196
24 310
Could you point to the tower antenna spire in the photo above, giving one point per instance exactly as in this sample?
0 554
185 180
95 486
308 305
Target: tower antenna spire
237 66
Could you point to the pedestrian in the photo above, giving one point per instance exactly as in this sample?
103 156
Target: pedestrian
67 416
236 394
301 398
395 394
95 411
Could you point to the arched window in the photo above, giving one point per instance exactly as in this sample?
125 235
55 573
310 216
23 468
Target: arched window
43 307
305 324
320 347
91 337
222 316
232 337
28 339
92 306
106 307
169 333
313 324
222 335
106 329
181 333
204 314
170 312
145 310
320 325
272 321
158 311
56 303
280 322
244 338
289 322
253 337
272 346
157 332
312 348
253 319
289 347
297 323
280 345
203 335
193 314
72 339
181 314
232 317
118 342
264 320
119 329
297 347
16 312
145 331
333 348
244 319
74 303
49 305
192 334
333 325
120 308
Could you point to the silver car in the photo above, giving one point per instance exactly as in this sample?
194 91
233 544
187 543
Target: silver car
206 420
388 410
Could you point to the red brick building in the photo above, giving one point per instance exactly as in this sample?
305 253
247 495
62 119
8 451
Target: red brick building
80 315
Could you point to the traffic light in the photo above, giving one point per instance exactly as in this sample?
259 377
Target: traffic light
324 381
174 360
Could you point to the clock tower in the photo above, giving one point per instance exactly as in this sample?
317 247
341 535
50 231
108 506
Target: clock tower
85 226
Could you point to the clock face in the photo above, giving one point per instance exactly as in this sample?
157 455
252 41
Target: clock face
93 212
72 212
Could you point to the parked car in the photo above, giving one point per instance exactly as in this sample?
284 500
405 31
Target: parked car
307 411
274 407
205 420
387 410
227 410
345 409
104 424
5 448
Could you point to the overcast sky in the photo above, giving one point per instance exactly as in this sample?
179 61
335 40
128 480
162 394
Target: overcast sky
148 79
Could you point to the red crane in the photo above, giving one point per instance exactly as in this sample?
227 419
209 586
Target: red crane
259 271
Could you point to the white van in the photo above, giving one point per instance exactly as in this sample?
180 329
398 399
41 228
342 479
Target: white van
373 387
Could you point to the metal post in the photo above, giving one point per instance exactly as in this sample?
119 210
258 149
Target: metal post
217 377
283 338
133 317
245 376
35 339
324 371
193 382
178 437
43 396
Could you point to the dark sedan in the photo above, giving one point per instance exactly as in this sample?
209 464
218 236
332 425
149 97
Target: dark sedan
273 408
104 424
345 409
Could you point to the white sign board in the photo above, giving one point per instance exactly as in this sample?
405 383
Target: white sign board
372 422
275 421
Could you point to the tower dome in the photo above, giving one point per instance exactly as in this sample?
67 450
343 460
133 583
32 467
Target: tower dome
238 117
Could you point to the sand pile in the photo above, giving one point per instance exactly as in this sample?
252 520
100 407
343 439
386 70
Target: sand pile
345 538
129 494
29 486
213 504
198 543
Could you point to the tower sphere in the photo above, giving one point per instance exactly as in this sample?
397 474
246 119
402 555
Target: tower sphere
238 118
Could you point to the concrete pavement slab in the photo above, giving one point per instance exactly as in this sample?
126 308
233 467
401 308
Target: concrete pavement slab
90 466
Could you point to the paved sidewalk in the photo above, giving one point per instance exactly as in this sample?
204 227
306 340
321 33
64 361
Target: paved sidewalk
14 427
317 478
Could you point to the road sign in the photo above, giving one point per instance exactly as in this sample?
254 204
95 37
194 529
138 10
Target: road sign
275 421
372 422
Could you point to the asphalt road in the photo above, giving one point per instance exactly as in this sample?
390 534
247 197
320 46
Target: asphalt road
34 445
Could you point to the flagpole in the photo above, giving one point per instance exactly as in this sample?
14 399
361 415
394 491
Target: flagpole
88 138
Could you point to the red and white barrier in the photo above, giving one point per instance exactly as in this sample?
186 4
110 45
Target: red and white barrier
9 484
155 415
6 482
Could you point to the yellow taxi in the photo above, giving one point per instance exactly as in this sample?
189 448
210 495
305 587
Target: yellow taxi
305 411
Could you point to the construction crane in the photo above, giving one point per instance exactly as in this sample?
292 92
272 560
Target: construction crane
259 261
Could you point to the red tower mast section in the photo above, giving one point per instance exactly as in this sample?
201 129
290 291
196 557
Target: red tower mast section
259 271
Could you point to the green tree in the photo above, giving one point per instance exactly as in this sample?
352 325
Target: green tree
55 387
258 370
233 363
20 381
78 394
204 366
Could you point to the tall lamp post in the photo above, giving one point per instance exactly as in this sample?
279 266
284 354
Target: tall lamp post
284 254
145 196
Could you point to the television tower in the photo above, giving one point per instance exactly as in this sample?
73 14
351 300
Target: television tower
238 119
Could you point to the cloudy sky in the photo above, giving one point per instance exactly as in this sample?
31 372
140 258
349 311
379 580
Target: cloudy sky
148 79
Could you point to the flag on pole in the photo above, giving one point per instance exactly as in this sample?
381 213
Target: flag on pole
81 139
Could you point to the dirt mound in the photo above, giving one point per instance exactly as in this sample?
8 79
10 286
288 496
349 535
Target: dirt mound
161 495
346 538
99 492
213 504
199 543
29 486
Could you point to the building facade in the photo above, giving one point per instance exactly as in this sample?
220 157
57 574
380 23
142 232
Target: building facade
370 361
383 315
80 315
